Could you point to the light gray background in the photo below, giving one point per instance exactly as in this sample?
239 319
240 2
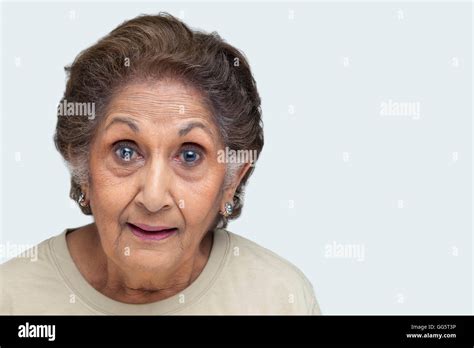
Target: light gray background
333 169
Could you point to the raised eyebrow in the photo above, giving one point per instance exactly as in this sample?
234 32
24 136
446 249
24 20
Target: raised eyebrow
182 132
190 126
127 120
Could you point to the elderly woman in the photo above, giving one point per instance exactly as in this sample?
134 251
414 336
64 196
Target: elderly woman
148 119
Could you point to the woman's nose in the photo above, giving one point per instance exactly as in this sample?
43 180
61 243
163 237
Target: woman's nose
155 187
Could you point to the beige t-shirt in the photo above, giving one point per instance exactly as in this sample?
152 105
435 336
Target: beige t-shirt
240 277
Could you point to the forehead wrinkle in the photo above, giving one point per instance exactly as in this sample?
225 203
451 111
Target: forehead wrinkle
165 103
147 104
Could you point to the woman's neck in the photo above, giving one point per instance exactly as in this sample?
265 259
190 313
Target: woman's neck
132 286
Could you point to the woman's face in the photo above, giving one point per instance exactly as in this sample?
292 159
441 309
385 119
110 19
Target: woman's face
154 162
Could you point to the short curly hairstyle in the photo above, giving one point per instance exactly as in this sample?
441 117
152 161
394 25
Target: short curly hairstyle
154 47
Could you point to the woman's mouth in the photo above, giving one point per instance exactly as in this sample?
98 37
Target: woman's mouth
147 232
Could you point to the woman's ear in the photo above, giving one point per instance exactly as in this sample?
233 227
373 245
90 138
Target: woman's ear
85 191
230 190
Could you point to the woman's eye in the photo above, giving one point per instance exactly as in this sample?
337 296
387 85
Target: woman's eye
125 153
190 157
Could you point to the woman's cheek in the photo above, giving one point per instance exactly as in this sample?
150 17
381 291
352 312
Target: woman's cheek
109 192
199 198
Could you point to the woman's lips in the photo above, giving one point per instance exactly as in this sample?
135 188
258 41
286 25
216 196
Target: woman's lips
152 228
147 232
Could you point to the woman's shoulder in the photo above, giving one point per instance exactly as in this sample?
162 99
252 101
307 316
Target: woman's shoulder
257 256
36 262
32 281
257 259
271 278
